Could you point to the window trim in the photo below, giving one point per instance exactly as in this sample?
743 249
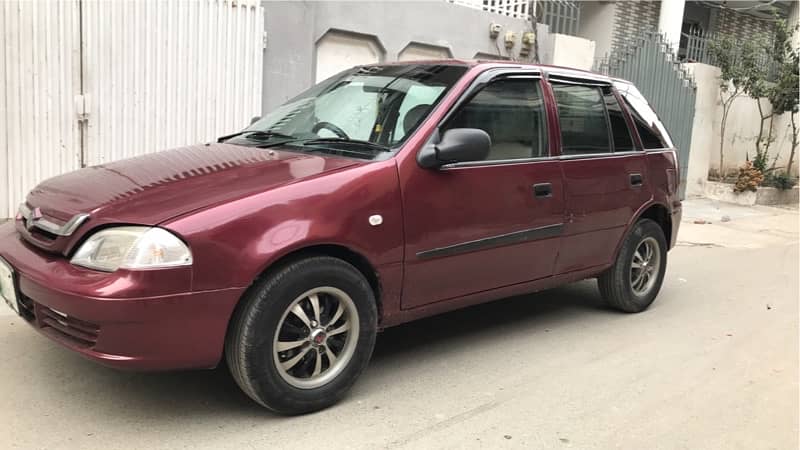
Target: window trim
625 118
629 120
481 81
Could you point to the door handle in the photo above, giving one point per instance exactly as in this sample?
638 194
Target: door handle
542 190
636 179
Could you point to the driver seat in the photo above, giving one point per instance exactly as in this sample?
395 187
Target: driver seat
414 116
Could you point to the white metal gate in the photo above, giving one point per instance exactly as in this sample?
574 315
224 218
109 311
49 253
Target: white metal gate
39 74
91 81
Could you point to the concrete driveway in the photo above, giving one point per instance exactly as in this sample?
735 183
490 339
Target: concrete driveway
713 364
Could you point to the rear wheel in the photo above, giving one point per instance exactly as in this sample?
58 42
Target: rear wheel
303 335
634 280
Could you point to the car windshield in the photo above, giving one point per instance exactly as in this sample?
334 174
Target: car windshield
362 112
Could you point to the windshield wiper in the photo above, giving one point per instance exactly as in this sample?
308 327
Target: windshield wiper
337 140
257 135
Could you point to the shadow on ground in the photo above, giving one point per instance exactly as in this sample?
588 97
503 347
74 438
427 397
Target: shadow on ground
191 395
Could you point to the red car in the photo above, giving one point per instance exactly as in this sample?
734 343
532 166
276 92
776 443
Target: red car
381 195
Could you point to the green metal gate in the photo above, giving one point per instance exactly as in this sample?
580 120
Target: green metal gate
650 64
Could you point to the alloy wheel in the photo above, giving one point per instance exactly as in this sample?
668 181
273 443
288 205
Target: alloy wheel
316 337
645 265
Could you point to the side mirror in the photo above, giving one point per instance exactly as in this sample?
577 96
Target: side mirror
255 119
456 145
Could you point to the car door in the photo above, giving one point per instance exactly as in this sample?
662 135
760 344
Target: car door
605 177
476 226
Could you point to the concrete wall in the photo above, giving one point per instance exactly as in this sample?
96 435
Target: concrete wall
571 51
596 20
740 135
295 28
704 145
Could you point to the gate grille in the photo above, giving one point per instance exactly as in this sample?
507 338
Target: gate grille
563 16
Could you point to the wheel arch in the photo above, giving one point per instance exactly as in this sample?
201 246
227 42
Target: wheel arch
655 211
356 259
659 214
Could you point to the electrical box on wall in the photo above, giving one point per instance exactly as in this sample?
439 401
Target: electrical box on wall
509 39
494 30
528 38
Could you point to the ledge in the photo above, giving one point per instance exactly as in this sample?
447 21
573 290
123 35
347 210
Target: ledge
763 196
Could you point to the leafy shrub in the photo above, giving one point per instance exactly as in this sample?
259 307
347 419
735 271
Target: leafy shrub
781 180
749 178
760 162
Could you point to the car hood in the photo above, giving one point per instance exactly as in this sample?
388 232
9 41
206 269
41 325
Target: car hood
153 188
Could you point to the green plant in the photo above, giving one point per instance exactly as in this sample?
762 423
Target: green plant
761 69
780 180
749 178
785 96
738 61
760 161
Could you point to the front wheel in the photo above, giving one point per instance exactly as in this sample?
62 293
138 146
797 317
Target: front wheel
303 335
634 280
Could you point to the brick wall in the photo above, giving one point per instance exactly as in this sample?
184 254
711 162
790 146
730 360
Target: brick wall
742 25
633 17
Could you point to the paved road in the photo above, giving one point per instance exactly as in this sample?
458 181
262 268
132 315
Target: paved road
712 365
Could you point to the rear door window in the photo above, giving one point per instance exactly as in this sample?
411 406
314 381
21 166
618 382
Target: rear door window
582 116
619 127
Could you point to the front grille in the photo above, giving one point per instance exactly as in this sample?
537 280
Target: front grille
39 233
76 331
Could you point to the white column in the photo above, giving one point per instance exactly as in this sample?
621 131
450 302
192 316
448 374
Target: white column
670 20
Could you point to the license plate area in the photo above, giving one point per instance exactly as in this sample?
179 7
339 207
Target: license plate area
8 285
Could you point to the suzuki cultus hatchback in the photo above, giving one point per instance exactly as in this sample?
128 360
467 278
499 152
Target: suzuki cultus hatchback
384 194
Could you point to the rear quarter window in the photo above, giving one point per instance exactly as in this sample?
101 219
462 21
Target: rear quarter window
651 131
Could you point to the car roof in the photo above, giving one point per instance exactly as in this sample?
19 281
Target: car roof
487 64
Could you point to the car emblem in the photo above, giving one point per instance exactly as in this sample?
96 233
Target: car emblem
36 214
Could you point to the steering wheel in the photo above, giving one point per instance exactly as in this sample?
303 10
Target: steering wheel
330 127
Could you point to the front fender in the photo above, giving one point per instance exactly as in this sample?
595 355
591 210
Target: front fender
234 243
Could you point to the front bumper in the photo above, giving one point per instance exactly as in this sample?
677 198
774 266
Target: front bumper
143 320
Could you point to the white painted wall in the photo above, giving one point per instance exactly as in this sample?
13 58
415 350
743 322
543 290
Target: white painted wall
704 144
416 51
337 51
572 51
740 134
597 19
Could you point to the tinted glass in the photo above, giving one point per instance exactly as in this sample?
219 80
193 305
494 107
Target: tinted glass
651 131
619 127
582 116
511 111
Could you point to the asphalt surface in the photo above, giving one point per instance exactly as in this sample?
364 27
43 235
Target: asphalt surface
713 364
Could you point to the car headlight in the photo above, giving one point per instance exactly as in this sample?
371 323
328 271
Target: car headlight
132 247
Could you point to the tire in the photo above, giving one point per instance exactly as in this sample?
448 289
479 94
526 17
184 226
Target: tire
261 346
621 285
